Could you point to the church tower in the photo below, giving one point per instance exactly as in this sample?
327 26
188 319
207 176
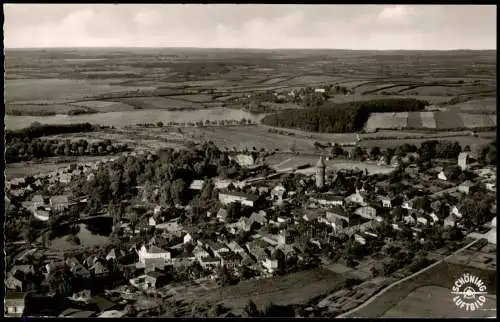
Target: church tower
320 173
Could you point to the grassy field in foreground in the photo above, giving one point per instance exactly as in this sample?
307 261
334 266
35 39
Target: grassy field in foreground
442 275
295 288
437 302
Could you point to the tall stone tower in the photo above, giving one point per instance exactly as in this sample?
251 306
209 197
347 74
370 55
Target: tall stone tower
320 173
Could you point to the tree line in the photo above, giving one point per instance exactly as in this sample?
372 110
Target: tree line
19 150
340 118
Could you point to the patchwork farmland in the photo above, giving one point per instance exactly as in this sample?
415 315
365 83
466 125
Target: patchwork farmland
439 120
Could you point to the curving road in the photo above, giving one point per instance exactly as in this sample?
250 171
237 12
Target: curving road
346 314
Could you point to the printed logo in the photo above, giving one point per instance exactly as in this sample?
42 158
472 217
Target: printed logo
469 291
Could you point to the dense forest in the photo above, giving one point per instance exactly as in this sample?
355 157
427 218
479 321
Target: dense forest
37 130
340 118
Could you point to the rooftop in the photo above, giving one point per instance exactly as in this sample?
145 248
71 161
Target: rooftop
240 194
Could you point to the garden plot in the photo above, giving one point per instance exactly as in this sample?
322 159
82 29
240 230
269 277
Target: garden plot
379 121
428 120
477 120
414 120
448 120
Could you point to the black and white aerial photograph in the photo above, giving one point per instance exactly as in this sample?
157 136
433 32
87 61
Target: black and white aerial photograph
250 160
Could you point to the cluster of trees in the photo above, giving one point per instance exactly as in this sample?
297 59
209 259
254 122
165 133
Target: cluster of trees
25 150
340 118
488 153
37 130
165 177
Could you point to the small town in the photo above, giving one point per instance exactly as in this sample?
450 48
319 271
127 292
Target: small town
181 224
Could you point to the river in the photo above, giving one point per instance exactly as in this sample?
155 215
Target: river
119 119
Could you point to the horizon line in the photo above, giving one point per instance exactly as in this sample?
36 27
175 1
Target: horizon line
235 48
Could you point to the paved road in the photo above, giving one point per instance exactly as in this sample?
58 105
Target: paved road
346 314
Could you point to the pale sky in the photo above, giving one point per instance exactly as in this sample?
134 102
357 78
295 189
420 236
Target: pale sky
419 27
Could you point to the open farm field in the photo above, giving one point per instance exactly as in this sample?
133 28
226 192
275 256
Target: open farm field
448 120
199 98
437 302
38 109
371 88
441 276
478 120
427 120
414 121
487 105
379 121
58 90
104 106
242 137
162 103
311 80
433 90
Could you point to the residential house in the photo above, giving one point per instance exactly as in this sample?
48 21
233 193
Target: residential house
221 184
157 210
423 220
222 214
172 227
230 259
209 262
152 264
37 201
236 248
271 265
465 186
366 212
258 252
395 161
358 197
456 212
412 170
360 239
216 248
14 303
244 160
463 160
442 176
83 296
152 252
385 200
259 218
98 269
59 203
491 186
13 283
187 238
434 218
382 161
409 219
228 197
319 90
449 221
152 222
312 215
149 281
196 185
199 252
278 193
328 199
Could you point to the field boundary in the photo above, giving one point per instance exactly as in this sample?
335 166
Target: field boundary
387 288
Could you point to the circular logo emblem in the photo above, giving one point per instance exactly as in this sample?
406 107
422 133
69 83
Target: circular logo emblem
469 291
